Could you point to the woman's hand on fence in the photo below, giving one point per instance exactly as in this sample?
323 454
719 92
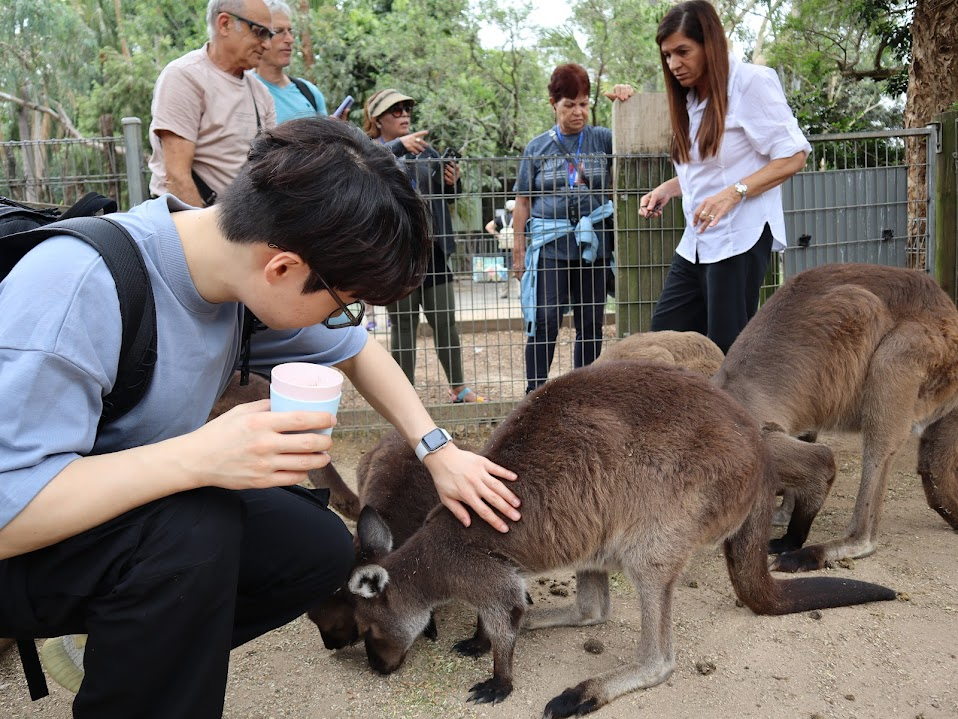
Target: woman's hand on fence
621 92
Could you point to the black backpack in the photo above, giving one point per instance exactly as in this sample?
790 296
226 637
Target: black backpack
21 229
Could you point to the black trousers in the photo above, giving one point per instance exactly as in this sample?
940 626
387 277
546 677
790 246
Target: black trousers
560 284
716 299
166 590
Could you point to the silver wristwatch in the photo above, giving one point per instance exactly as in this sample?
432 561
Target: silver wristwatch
432 442
742 189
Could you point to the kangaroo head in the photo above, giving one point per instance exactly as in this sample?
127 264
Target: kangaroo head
334 618
387 622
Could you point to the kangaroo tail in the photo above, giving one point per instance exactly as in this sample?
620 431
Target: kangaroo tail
341 497
746 555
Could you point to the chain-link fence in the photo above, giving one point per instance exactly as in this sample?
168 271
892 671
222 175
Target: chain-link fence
860 198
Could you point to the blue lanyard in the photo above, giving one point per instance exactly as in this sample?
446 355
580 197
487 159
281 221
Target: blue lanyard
573 169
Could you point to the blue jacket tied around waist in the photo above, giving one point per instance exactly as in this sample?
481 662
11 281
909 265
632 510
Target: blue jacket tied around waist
542 231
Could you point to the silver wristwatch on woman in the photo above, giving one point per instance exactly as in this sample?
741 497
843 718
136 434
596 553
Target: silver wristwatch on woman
432 442
741 188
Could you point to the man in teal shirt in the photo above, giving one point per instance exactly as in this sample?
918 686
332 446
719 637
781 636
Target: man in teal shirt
292 96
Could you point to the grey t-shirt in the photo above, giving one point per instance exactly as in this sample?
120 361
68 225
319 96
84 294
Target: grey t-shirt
60 344
557 187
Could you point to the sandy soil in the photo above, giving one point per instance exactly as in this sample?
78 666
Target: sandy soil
895 659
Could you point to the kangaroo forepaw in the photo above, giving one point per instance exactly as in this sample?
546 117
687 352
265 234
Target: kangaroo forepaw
472 647
806 559
571 702
491 691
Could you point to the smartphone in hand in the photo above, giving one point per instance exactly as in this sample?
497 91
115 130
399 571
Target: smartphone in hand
344 107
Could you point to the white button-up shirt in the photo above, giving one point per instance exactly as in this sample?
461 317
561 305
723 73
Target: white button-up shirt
759 128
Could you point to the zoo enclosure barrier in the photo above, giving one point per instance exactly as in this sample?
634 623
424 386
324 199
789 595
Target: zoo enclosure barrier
861 198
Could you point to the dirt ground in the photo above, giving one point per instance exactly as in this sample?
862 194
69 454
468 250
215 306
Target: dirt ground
896 659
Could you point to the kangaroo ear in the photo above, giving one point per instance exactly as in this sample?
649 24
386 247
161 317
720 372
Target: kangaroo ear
375 539
369 581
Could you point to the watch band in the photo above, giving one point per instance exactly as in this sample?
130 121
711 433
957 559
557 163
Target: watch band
432 442
742 189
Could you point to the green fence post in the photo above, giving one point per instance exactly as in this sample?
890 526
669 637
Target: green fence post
946 202
643 247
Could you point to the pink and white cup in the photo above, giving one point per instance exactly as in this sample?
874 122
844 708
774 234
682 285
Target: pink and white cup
305 386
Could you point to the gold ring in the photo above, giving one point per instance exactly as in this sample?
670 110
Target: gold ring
710 217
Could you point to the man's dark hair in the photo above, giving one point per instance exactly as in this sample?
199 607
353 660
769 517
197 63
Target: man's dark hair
320 188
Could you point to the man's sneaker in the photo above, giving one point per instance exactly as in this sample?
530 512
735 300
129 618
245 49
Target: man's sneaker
62 657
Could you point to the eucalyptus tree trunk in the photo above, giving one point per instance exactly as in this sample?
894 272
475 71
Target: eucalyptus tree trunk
932 88
306 35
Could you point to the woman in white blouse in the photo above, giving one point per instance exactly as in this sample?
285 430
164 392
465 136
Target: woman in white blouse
735 141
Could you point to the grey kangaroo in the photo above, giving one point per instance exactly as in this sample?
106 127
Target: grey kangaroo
391 480
622 465
691 350
860 348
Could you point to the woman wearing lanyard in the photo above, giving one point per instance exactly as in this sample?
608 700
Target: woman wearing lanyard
387 120
735 142
562 226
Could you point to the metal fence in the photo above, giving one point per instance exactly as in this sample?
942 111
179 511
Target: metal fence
851 203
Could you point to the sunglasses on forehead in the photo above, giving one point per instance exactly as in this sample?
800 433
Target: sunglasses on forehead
261 31
399 108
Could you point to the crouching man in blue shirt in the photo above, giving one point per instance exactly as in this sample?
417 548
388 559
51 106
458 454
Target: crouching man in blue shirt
166 539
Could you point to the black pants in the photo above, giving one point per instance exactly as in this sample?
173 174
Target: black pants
716 299
562 284
166 590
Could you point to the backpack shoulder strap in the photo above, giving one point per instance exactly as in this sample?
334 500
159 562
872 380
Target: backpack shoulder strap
307 93
89 205
137 308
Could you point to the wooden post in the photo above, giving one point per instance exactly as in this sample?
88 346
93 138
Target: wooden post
946 202
641 132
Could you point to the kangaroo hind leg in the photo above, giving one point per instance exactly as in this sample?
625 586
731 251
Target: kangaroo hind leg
887 408
591 606
655 659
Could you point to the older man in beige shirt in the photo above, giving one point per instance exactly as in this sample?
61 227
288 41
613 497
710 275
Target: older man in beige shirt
207 107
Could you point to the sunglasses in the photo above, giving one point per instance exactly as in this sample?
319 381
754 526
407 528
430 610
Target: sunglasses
399 108
261 31
348 316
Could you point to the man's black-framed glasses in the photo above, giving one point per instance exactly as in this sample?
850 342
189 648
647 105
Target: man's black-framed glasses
349 315
261 31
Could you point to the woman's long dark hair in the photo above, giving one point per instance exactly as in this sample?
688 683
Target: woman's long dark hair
698 21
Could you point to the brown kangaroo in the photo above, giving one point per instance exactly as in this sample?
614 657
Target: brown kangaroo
391 480
622 465
691 350
860 348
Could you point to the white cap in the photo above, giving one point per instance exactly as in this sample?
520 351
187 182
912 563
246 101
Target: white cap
510 205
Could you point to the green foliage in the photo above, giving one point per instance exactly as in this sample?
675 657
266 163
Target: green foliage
843 65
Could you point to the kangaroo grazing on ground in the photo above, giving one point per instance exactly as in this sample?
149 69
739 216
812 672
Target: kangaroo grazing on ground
622 465
691 350
860 348
391 480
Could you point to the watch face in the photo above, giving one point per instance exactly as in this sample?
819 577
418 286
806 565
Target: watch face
434 440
